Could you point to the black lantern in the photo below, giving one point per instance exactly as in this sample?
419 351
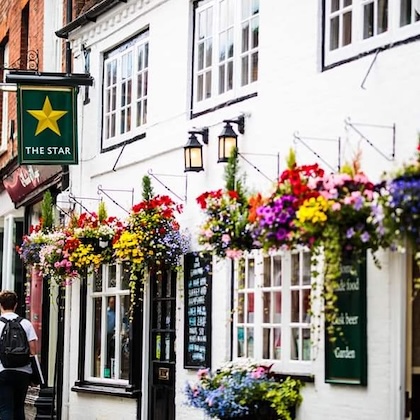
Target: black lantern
193 151
228 139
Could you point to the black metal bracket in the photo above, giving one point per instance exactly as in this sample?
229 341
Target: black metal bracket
104 191
241 155
32 62
392 127
298 138
155 177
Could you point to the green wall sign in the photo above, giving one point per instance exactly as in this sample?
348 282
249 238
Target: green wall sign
346 357
47 133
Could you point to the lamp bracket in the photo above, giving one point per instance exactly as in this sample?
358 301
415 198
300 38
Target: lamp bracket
204 132
240 121
155 177
298 138
392 127
104 191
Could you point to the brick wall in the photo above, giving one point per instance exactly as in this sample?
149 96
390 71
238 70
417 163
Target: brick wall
22 32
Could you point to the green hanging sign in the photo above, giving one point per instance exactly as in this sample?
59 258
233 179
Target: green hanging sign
47 133
346 357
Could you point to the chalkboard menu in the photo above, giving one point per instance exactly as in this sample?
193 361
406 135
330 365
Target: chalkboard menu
197 327
346 357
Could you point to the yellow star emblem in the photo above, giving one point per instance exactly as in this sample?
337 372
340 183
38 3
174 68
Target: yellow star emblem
47 118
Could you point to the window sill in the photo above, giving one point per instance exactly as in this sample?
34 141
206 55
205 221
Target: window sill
225 104
111 390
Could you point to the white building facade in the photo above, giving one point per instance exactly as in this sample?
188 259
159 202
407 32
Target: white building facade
327 78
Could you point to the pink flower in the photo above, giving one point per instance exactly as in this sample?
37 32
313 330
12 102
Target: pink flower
233 253
225 238
336 206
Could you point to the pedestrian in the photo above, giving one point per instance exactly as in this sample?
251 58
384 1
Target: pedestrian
14 382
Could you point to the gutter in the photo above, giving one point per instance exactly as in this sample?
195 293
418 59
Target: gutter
90 16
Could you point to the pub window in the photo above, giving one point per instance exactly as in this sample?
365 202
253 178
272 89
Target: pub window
353 27
272 320
108 325
226 48
125 90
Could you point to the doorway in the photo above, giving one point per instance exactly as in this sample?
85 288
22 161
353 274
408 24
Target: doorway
162 347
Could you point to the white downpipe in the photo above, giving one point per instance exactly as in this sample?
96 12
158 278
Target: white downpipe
8 278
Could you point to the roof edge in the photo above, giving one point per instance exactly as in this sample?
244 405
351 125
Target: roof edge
90 16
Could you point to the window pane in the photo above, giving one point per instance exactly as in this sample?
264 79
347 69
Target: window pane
347 3
405 12
277 307
277 343
245 70
267 272
245 37
200 56
267 307
125 337
241 309
245 8
368 21
254 72
335 5
306 344
347 22
250 273
250 342
145 112
266 343
112 276
295 306
209 53
277 263
250 308
241 340
200 88
306 269
255 7
382 16
208 84
222 46
255 32
230 75
97 334
125 283
98 281
222 80
306 302
109 371
295 270
294 344
334 34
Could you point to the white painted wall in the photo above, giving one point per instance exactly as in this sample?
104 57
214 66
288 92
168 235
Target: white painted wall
293 96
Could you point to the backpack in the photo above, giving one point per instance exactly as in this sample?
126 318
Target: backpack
14 345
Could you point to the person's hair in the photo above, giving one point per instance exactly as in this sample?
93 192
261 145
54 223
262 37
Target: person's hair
8 299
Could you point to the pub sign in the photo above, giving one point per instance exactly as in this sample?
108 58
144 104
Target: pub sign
47 133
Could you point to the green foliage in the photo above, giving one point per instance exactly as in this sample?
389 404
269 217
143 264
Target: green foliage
102 213
233 180
47 212
284 397
148 193
291 159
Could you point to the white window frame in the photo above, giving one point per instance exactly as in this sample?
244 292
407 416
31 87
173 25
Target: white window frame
359 45
106 292
218 27
283 361
137 49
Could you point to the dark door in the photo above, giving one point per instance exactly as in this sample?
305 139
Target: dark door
415 359
162 350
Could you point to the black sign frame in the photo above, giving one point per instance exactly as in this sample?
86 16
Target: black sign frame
197 284
346 357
